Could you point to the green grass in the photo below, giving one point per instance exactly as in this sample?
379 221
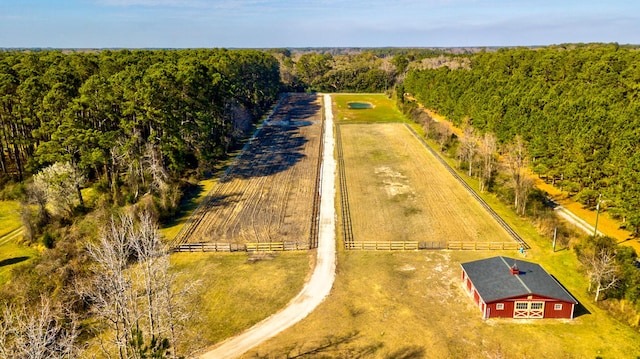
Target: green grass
169 230
384 109
233 293
9 216
12 253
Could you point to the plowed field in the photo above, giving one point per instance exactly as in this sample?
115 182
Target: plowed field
268 194
399 192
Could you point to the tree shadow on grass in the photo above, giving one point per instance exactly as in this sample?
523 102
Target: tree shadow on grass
280 144
342 346
14 260
409 352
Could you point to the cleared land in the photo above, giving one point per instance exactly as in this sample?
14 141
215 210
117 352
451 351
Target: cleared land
399 192
411 305
268 194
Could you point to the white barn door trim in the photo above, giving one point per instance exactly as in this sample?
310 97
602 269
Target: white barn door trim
528 309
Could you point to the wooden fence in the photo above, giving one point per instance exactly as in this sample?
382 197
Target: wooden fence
381 245
234 247
422 245
483 246
355 245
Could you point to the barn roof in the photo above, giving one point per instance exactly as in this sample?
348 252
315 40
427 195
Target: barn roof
493 280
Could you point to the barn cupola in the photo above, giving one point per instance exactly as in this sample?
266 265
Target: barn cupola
514 269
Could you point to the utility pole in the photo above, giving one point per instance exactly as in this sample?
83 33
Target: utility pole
555 235
595 228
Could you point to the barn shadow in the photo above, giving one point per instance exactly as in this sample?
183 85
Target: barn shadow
580 310
279 145
14 260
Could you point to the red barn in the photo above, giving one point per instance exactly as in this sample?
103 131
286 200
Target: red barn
504 287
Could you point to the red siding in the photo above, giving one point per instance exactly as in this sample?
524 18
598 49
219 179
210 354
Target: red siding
565 312
549 311
507 312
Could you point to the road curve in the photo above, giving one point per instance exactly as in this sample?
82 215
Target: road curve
321 281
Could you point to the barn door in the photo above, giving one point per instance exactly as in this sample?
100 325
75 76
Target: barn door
528 310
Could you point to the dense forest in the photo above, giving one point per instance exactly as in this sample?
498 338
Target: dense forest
132 121
577 107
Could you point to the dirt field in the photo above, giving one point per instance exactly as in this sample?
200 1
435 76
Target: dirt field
268 195
399 192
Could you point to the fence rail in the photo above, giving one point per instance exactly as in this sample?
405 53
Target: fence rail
355 245
483 246
208 247
428 245
234 247
382 245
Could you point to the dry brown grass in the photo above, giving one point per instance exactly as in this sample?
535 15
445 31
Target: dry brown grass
399 191
268 194
412 305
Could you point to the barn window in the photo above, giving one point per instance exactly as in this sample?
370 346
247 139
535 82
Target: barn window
537 306
522 305
557 306
500 306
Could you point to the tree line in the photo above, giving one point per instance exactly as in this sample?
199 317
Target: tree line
130 120
576 107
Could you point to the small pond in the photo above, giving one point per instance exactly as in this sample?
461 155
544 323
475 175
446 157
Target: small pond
359 105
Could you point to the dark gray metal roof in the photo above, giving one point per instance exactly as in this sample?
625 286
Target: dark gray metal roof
493 280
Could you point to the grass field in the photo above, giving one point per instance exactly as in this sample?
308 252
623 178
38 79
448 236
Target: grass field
234 291
399 191
9 217
383 109
412 305
12 253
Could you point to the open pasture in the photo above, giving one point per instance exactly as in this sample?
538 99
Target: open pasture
383 109
399 192
267 195
411 304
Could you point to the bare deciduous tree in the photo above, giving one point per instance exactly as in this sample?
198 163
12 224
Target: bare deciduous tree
516 157
602 270
487 152
38 334
443 132
468 148
134 292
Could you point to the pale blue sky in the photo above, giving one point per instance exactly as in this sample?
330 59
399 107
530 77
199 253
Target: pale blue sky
307 23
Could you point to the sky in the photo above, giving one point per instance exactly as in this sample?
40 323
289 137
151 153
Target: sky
314 23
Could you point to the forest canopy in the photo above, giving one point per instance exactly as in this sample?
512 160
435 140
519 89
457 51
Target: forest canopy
577 108
133 121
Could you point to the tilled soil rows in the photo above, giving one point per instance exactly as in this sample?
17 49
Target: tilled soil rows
399 192
268 194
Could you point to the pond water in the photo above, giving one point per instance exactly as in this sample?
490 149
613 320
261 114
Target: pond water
359 105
